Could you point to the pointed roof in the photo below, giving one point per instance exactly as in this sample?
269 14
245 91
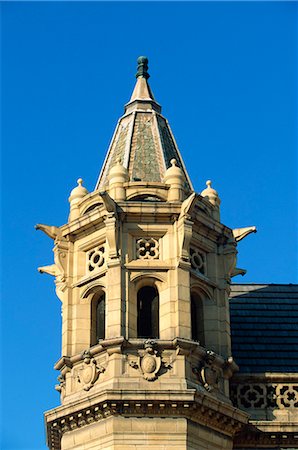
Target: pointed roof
142 139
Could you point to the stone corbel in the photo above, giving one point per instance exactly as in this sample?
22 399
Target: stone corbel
188 206
111 223
109 203
229 255
111 235
184 230
184 227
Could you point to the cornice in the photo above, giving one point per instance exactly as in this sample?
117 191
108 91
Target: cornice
197 407
253 436
277 377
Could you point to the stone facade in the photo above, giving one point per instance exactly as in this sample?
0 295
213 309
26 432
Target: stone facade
143 270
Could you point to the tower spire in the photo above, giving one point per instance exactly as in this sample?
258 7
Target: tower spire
142 89
143 139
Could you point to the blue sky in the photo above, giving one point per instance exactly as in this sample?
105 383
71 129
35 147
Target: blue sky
225 74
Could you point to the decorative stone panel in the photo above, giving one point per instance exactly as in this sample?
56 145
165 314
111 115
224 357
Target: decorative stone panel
95 258
262 396
147 248
198 260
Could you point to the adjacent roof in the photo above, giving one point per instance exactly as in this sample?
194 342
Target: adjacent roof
143 139
264 327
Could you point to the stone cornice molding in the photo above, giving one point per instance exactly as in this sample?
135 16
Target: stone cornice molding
254 435
276 377
197 407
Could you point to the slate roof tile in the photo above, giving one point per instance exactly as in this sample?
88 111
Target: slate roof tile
264 327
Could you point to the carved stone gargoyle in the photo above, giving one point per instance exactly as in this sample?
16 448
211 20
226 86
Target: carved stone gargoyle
59 268
50 230
239 234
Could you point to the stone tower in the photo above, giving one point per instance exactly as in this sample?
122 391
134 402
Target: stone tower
143 271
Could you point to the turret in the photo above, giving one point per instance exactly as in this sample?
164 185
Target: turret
143 270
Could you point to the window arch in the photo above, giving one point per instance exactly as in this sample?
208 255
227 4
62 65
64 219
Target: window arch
148 312
197 319
98 318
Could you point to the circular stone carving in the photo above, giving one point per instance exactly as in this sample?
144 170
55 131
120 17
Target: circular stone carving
148 364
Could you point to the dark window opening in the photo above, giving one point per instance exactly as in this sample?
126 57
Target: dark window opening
197 320
98 319
96 205
146 198
148 312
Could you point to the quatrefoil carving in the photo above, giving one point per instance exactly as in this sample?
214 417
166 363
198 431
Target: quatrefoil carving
147 248
96 258
198 260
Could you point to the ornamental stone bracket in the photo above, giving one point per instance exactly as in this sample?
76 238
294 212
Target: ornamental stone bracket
111 223
184 230
89 373
60 267
149 361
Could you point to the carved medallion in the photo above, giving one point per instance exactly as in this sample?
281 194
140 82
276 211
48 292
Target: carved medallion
89 373
149 362
207 372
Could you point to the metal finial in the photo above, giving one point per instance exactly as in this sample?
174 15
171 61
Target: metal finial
142 67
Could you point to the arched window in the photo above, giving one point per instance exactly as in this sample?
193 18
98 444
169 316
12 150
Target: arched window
197 319
98 319
148 312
